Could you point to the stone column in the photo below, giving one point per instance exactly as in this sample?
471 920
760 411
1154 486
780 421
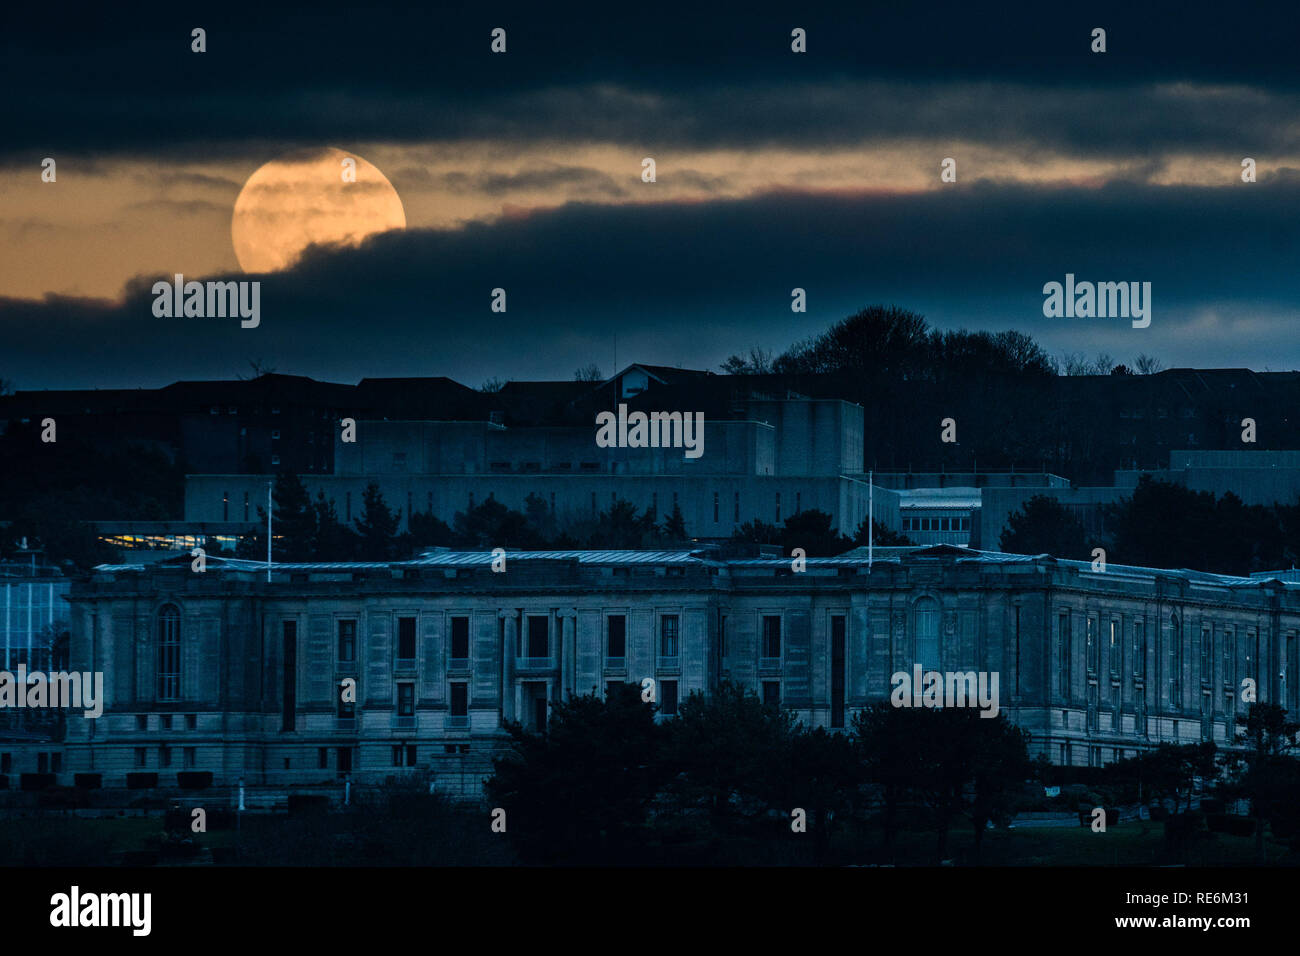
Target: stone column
569 663
510 642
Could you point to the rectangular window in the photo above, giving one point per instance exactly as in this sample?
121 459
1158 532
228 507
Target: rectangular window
715 507
1207 652
1017 684
191 721
616 638
289 713
1140 649
539 640
406 642
6 763
1228 672
771 693
837 671
323 757
460 639
169 654
771 636
459 699
165 722
668 698
1092 645
1115 653
141 756
1175 663
1291 675
190 758
141 721
347 642
668 635
405 699
164 756
1063 651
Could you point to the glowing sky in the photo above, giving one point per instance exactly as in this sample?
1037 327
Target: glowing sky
774 170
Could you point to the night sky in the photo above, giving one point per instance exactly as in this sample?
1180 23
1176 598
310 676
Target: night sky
523 171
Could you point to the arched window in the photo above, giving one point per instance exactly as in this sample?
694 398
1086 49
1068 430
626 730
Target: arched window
169 653
925 633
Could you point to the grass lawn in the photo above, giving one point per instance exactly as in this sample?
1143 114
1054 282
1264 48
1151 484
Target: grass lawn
78 841
74 841
1140 843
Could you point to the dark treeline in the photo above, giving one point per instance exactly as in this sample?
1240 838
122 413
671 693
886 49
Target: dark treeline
1165 525
1015 405
608 783
731 781
310 530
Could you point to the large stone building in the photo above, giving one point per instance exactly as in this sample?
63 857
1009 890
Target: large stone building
228 672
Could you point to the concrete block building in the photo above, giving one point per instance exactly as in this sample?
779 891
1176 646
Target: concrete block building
775 459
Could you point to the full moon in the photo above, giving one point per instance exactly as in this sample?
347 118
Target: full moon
320 196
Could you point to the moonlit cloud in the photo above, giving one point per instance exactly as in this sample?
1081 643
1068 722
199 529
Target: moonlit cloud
523 171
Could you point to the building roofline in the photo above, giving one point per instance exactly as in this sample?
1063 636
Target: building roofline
708 556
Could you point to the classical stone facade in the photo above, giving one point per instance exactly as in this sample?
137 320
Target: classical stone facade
227 672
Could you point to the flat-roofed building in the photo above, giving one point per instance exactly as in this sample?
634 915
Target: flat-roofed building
226 672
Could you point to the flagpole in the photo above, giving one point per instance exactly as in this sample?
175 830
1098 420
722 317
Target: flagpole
871 515
268 531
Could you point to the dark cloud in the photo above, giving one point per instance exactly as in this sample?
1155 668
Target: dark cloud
687 283
126 81
577 179
179 207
